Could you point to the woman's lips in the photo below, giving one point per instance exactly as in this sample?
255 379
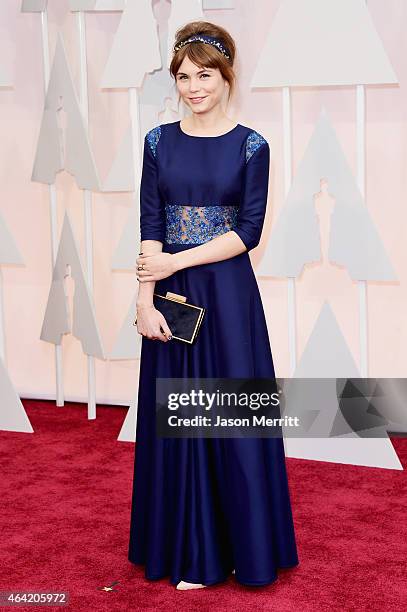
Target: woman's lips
197 100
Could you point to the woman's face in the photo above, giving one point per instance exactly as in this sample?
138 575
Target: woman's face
200 88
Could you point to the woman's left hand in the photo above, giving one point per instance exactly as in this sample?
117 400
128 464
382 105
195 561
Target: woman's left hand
156 266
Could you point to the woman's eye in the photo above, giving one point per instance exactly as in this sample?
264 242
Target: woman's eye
182 77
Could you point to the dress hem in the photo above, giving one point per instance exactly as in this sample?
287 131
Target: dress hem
218 580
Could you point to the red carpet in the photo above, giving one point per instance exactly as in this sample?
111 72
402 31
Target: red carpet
65 507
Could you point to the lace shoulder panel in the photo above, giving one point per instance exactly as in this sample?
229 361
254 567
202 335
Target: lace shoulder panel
153 136
253 142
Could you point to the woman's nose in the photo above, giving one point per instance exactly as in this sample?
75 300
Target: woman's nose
194 85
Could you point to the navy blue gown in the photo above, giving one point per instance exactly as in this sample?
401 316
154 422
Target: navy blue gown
202 507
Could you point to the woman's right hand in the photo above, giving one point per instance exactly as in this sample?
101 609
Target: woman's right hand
149 321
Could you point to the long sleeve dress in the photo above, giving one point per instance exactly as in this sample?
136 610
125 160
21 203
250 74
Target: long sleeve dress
202 507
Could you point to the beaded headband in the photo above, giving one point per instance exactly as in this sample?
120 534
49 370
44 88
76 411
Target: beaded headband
209 40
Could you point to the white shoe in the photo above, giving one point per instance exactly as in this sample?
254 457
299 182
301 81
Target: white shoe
186 586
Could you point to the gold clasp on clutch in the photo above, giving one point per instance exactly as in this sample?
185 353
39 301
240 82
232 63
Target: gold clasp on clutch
176 296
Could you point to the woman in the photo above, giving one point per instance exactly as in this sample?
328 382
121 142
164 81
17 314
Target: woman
204 508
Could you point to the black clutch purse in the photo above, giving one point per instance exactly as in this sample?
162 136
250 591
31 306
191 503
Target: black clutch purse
184 320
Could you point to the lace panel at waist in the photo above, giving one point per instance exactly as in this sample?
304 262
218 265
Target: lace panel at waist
197 224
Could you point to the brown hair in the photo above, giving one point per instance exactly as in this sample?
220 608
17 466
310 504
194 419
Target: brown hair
204 55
